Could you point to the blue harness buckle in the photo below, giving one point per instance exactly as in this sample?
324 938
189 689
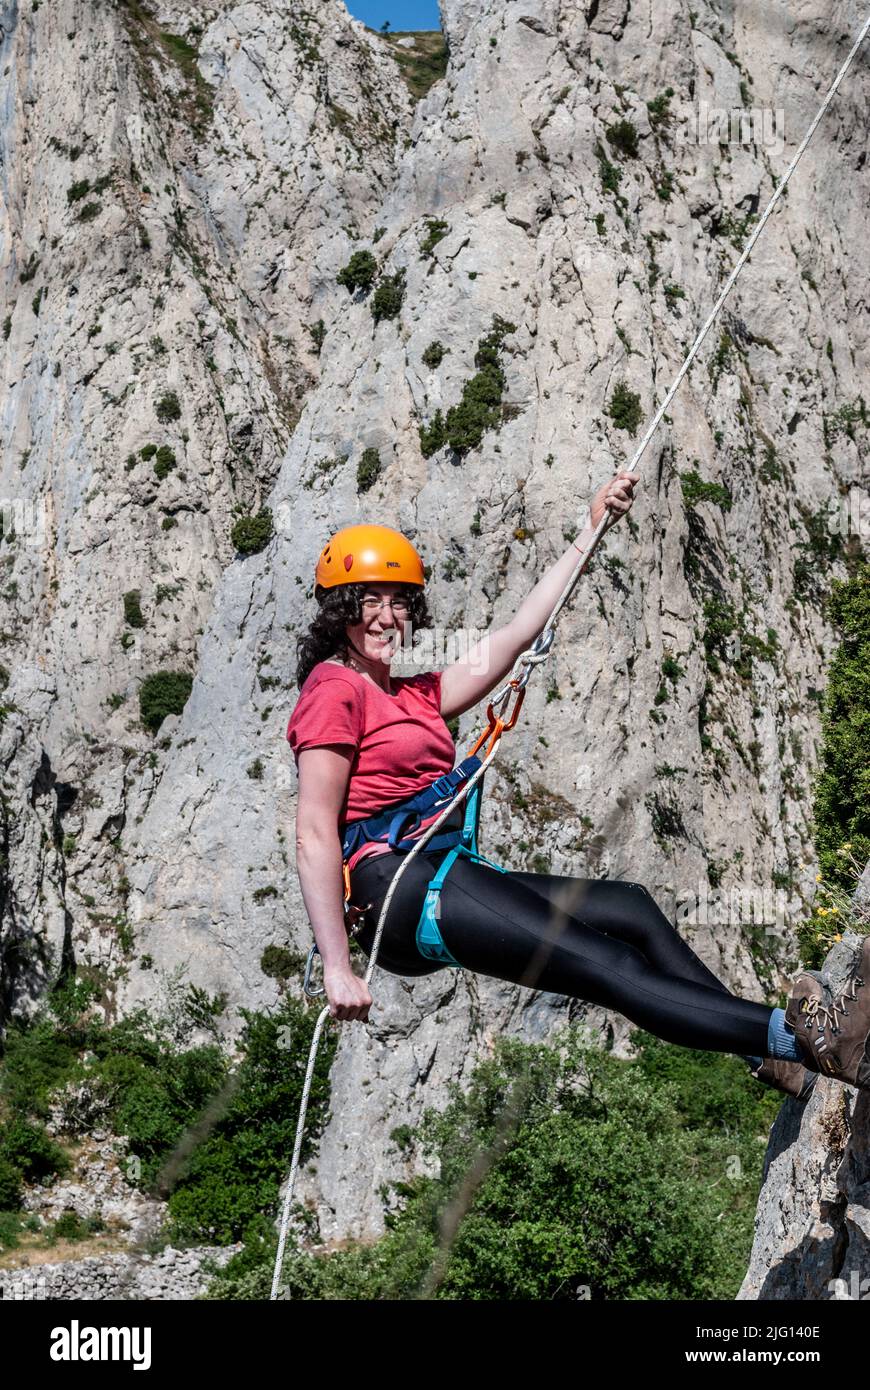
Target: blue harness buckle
430 942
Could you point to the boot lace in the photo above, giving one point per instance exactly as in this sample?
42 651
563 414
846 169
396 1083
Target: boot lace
825 1015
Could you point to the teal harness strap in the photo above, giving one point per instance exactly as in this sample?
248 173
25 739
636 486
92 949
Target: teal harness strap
430 942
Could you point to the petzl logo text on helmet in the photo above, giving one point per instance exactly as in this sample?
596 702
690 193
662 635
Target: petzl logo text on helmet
393 565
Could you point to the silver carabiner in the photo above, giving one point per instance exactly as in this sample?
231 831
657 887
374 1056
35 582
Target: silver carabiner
306 981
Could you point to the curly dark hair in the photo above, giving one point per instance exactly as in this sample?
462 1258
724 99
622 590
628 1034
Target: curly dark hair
338 608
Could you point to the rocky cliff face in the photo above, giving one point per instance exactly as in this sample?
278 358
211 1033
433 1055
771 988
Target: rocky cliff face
179 352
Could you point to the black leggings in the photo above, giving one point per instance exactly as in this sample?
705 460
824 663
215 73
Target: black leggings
605 941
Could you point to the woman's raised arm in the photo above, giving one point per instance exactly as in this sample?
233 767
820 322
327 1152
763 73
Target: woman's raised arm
466 682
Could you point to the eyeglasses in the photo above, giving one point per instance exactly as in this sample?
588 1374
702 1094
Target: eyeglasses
399 604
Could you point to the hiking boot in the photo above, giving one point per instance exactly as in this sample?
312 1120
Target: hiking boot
791 1077
833 1037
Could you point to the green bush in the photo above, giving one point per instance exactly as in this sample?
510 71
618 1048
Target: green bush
27 1147
436 230
234 1175
815 554
368 470
434 435
659 108
664 189
387 298
11 1180
163 693
252 534
625 408
280 963
359 273
69 1226
213 1141
696 490
623 137
434 354
164 460
38 1056
611 174
132 608
78 190
168 408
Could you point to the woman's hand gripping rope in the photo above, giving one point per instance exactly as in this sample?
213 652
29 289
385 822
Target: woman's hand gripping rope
615 496
348 994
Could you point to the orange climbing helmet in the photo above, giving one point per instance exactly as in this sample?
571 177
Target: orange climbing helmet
365 554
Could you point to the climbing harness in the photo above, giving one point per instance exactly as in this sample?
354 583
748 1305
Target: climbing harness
515 685
390 827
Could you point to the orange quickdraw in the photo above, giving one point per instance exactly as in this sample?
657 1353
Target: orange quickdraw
497 726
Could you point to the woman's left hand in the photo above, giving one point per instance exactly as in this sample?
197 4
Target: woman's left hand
615 496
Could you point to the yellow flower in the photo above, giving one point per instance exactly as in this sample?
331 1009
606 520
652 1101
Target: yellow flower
823 911
837 936
848 844
835 909
818 878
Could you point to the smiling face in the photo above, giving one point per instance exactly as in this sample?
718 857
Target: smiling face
382 628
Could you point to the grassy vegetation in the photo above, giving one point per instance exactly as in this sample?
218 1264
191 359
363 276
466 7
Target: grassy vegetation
841 805
424 64
368 470
155 50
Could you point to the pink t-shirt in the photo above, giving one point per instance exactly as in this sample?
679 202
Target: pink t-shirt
402 743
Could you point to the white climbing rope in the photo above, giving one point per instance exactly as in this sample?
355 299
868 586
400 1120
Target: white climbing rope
540 648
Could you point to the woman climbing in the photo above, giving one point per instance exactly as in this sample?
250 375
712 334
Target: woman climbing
365 742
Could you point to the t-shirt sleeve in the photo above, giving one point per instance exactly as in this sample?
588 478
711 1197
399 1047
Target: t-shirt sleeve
331 712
